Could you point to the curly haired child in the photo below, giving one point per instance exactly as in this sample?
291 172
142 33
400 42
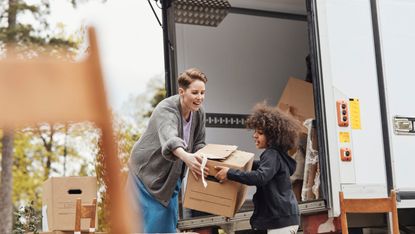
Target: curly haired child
275 206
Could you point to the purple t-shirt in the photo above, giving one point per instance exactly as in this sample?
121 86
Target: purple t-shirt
186 129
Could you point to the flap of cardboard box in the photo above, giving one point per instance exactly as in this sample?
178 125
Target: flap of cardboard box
215 151
239 159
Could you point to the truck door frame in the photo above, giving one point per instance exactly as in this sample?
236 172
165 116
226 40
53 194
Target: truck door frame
169 43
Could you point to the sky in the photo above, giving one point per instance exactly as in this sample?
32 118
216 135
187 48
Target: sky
130 42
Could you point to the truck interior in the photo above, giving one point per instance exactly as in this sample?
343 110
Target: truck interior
249 57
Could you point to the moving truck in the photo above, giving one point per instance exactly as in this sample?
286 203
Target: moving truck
361 55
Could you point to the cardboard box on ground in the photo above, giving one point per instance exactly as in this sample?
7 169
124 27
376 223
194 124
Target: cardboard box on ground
59 202
297 100
219 198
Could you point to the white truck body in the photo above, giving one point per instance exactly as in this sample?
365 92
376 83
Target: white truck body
361 50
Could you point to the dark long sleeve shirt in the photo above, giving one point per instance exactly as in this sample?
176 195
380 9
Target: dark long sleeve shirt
275 205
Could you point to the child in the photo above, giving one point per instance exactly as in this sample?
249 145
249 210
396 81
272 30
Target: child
275 206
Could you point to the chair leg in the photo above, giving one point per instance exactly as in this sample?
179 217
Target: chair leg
92 221
395 222
78 216
343 216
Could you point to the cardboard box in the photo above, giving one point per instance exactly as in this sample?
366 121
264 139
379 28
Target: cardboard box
59 201
297 99
219 198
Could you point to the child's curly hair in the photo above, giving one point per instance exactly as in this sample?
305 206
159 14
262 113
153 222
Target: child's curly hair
280 130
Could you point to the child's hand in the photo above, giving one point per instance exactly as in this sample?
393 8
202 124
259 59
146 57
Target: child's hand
222 175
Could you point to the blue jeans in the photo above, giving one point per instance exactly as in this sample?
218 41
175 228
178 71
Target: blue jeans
156 218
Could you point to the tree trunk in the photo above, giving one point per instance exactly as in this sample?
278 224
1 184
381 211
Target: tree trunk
6 188
48 144
6 184
65 149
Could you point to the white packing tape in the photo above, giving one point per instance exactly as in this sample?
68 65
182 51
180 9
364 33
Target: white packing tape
202 166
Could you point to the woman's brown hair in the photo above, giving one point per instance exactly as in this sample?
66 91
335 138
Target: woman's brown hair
281 130
190 75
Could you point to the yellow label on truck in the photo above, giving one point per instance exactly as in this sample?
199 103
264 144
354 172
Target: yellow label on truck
344 137
355 113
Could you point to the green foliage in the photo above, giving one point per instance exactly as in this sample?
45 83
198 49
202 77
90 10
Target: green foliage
27 180
33 39
46 150
156 87
126 136
160 94
67 148
27 220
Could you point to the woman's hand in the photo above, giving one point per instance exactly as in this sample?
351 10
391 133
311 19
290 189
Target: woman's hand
192 161
222 175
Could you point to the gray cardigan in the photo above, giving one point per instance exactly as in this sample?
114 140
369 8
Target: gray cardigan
152 159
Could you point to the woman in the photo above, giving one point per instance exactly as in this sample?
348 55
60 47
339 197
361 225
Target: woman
175 131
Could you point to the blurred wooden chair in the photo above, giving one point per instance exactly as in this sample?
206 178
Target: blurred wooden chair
48 90
370 205
85 212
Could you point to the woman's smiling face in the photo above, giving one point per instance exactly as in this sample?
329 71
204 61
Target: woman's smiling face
193 96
